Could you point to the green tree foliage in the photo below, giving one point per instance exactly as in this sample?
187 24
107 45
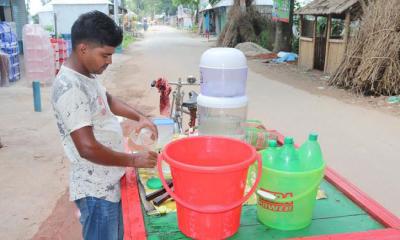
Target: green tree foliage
168 7
35 19
192 4
151 7
264 39
296 24
188 3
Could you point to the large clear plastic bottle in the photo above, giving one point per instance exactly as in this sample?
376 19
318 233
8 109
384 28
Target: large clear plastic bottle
288 159
143 138
310 153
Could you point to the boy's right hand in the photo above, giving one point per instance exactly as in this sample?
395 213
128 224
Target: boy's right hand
145 159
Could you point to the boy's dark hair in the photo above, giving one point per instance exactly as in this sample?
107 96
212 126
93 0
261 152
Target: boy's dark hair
96 27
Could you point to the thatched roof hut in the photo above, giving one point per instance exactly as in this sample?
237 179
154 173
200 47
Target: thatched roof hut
325 31
327 7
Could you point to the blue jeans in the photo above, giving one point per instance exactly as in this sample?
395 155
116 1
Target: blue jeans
100 219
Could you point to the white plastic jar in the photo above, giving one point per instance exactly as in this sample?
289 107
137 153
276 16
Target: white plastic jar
223 72
222 116
165 128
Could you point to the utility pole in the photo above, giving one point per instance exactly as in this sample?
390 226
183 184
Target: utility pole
283 33
116 12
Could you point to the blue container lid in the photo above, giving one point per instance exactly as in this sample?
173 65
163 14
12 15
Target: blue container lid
163 121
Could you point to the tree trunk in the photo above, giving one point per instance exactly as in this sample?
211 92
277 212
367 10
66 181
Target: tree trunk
243 6
196 17
278 44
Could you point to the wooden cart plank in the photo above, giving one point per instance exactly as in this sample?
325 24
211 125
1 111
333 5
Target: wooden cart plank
382 234
134 228
337 214
371 206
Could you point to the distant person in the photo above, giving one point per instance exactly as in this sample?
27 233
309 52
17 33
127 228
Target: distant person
145 24
90 132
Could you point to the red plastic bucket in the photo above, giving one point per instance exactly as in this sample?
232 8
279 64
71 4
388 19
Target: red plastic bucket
209 176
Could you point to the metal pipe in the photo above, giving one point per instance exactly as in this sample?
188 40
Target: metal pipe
37 104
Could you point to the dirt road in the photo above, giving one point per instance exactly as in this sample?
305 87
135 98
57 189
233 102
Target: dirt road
359 143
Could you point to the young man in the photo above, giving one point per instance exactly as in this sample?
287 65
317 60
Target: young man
90 132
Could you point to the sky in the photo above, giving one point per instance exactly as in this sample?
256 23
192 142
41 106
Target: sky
35 6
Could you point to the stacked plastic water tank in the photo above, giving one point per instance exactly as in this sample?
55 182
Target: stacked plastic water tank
39 58
222 104
9 47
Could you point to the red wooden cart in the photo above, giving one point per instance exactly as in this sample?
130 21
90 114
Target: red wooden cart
357 216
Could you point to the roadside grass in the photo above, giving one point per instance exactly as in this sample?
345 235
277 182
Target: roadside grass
127 40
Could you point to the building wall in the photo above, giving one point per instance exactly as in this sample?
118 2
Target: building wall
20 16
5 4
223 19
187 22
46 19
220 19
8 14
67 14
206 21
336 51
217 18
306 53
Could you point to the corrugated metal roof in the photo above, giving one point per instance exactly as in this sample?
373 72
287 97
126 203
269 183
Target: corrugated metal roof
207 7
5 3
223 3
70 2
325 7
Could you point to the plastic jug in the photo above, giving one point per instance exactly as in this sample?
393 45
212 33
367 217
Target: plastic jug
144 138
270 155
165 128
220 116
223 72
288 159
310 153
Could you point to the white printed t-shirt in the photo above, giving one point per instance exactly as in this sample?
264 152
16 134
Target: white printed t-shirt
80 101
